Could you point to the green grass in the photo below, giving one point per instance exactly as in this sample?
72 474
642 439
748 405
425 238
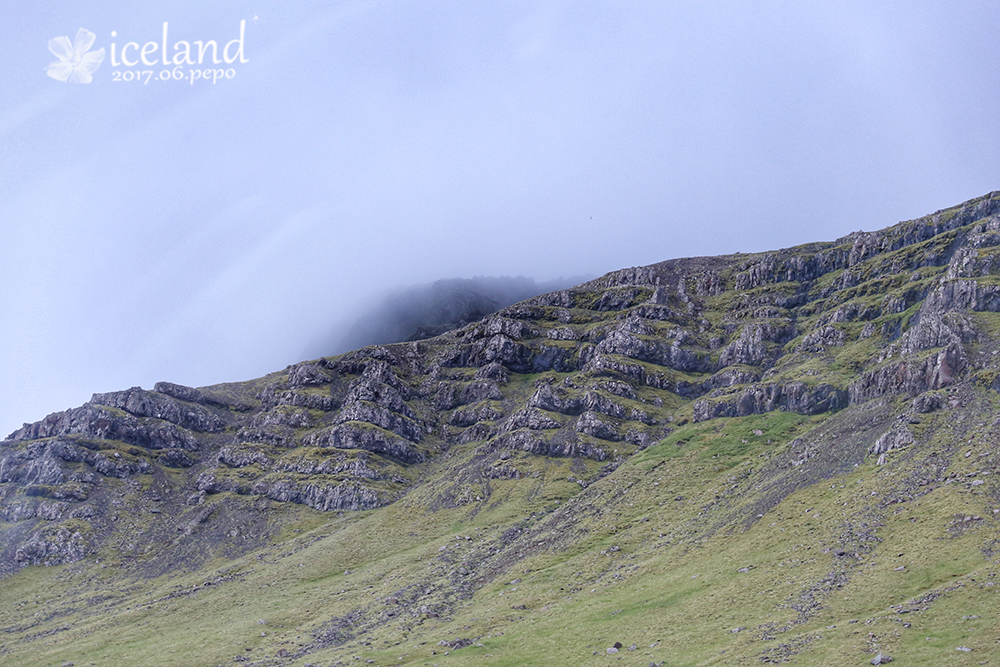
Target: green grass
733 523
633 565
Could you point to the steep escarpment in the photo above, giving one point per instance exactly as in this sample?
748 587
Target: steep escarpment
759 376
596 372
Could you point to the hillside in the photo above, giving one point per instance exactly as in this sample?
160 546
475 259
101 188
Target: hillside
776 457
425 311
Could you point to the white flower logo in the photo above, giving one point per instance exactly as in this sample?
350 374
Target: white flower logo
74 63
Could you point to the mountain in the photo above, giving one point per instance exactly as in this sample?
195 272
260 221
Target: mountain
425 311
776 457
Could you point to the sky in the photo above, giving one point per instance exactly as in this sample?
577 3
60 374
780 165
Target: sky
161 223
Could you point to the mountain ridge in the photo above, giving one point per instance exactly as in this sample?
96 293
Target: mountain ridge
425 311
867 362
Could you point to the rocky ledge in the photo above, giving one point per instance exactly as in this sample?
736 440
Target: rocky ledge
593 373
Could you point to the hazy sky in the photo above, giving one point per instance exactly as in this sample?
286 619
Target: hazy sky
200 232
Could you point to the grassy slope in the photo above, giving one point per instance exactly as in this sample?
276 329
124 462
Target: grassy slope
649 555
842 558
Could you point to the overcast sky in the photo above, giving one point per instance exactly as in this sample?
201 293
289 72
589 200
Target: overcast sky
201 232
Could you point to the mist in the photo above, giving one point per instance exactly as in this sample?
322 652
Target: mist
422 311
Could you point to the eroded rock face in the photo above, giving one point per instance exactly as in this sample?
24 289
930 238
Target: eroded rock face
143 403
473 415
760 398
32 467
241 457
546 399
733 375
41 462
895 438
622 389
751 346
821 338
591 424
928 403
382 417
379 394
619 299
344 496
933 331
910 376
451 395
596 402
852 250
499 349
954 295
604 365
304 375
56 544
595 372
493 371
179 391
380 372
353 435
530 418
273 397
91 421
661 352
494 325
275 435
534 443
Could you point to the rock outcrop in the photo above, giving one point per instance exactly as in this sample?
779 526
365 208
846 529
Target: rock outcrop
592 373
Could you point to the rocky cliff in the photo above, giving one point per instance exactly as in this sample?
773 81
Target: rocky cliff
874 330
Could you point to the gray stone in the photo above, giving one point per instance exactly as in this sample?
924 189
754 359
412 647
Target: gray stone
143 403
